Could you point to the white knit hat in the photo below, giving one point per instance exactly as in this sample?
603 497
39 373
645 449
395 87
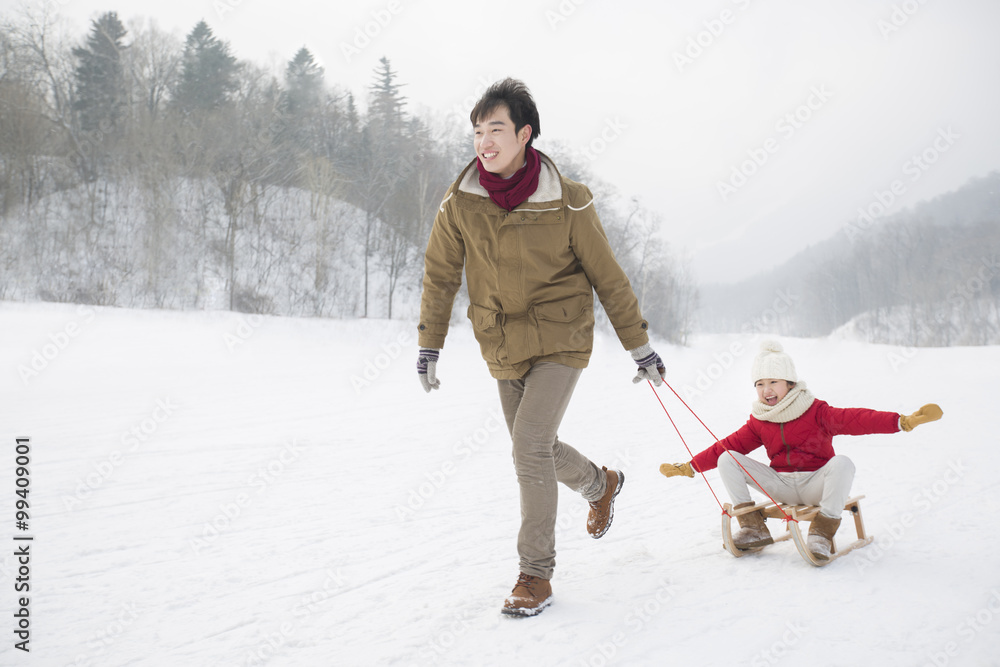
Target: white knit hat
772 362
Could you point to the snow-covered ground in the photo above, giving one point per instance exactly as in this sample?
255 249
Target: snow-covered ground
222 489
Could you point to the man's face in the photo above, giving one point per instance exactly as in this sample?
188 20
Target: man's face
498 146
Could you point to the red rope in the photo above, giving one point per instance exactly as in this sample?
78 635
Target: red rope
776 503
655 393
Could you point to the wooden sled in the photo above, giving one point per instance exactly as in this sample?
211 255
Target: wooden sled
792 531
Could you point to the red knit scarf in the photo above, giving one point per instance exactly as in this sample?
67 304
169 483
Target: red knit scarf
509 193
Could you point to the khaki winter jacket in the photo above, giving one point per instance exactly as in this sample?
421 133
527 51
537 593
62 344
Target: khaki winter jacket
531 275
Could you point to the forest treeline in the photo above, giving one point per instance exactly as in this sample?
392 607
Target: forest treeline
141 170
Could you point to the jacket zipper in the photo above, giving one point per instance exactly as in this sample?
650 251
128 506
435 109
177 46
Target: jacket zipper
788 450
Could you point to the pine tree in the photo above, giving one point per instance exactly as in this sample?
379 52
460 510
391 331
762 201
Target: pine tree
386 106
301 107
304 85
378 157
208 72
101 98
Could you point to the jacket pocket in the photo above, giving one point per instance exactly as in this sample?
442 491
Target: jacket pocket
488 332
566 325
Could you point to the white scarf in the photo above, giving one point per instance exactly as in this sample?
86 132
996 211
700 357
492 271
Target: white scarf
792 406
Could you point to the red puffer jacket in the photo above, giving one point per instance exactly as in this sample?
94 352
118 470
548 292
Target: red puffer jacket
803 444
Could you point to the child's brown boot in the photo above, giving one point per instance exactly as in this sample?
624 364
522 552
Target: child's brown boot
753 533
821 532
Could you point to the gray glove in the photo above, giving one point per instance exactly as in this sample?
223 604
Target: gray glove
427 361
650 365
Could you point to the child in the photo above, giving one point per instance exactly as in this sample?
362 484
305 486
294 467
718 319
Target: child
797 432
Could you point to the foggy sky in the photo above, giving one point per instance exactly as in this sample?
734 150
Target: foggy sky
753 128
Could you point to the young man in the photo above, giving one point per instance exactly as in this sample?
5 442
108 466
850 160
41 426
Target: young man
534 252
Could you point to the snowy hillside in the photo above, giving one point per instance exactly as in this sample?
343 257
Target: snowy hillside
224 489
294 252
907 324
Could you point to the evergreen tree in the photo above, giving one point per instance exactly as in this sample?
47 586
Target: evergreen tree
386 106
353 117
304 85
208 72
300 104
101 99
378 156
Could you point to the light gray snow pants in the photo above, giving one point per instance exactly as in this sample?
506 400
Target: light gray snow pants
534 406
828 487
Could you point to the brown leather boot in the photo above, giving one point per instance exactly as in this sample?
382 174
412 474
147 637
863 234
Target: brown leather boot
753 533
602 511
530 596
821 532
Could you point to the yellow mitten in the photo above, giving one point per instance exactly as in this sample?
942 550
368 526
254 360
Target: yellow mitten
928 413
673 469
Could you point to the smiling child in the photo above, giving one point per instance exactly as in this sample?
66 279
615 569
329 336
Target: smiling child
796 430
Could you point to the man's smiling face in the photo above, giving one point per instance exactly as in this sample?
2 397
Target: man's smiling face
498 146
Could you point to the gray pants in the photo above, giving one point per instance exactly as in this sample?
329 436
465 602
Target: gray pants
534 406
827 487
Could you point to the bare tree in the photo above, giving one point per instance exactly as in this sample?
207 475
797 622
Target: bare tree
153 66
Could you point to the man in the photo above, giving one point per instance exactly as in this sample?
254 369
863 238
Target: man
534 251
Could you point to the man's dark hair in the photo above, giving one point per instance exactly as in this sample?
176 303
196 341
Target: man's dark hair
514 95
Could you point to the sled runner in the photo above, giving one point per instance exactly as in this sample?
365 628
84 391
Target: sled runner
800 513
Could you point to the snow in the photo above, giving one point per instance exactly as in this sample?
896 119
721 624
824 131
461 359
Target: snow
226 489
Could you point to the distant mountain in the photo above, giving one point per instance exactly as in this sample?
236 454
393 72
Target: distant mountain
937 261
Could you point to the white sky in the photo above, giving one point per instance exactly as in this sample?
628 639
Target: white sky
885 80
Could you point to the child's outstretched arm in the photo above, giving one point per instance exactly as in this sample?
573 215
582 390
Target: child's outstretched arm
744 441
928 413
